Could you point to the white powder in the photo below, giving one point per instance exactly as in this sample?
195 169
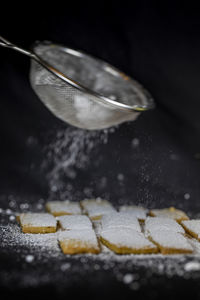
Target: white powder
24 206
70 149
187 196
97 207
12 203
39 206
37 220
193 225
44 247
42 244
135 142
29 258
120 177
162 224
87 236
93 202
136 211
120 220
65 266
128 278
97 227
87 113
170 239
99 210
64 206
196 246
125 237
192 266
12 218
170 213
75 222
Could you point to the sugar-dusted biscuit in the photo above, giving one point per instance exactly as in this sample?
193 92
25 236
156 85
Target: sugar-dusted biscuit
93 201
192 227
171 213
37 222
137 211
60 208
127 241
79 222
120 220
78 241
170 242
18 217
97 227
157 224
96 208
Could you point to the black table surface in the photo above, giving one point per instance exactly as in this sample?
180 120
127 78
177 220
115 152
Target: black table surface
159 47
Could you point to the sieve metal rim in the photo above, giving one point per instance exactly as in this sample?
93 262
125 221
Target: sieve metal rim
103 99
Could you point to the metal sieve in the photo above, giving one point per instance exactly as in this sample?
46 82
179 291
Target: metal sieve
82 90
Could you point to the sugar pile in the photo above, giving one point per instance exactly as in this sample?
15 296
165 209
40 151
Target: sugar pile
86 113
41 244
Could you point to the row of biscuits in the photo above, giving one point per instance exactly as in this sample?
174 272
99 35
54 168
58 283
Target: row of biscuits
96 208
120 231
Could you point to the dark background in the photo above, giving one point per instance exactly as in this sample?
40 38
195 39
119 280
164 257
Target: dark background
156 44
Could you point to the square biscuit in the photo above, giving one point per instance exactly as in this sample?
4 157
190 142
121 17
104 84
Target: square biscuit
37 223
157 224
120 220
127 241
60 208
93 202
192 227
78 241
171 213
171 242
79 222
136 211
96 208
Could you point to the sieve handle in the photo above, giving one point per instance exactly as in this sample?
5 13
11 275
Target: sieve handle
5 43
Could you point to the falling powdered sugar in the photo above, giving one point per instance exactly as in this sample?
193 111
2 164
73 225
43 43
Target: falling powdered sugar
70 151
29 258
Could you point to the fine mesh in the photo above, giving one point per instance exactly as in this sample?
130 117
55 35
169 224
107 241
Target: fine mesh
76 107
